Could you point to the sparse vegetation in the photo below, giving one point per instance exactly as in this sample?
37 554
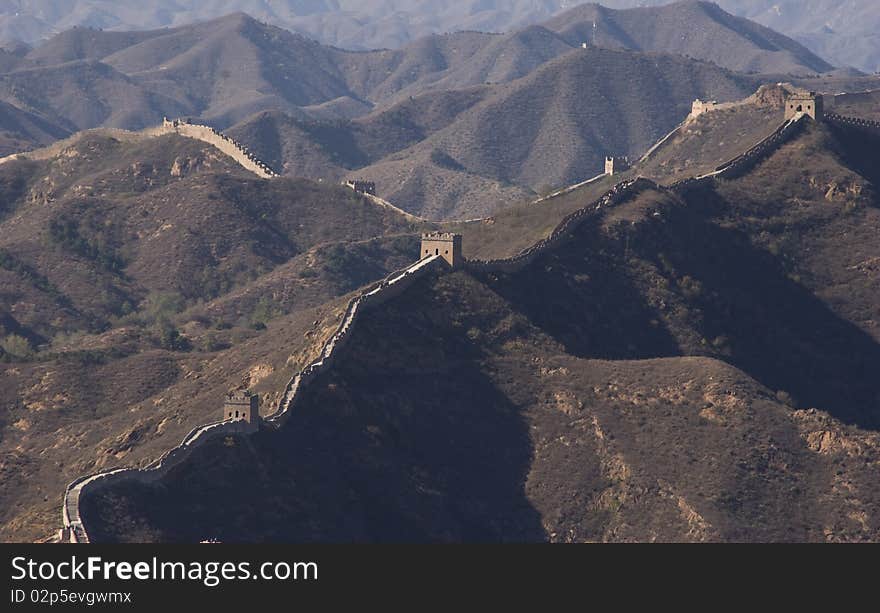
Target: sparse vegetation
17 347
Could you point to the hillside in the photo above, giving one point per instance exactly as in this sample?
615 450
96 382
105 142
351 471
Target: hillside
845 33
692 28
228 68
692 366
21 130
549 129
144 277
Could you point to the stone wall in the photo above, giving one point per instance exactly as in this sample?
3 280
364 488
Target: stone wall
852 121
375 295
74 527
237 151
627 189
74 530
743 163
564 230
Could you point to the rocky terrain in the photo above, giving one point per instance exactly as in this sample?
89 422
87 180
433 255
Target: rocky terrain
411 118
141 279
693 366
844 32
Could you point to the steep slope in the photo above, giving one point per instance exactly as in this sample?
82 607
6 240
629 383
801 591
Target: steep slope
549 129
85 94
329 149
691 366
21 131
142 278
693 28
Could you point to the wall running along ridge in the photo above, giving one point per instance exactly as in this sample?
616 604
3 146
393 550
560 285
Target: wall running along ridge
75 531
74 527
852 121
238 152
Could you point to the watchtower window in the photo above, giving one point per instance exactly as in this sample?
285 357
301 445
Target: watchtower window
446 252
436 252
800 108
236 413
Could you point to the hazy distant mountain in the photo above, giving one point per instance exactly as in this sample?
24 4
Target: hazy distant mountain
692 28
845 33
467 152
230 68
449 126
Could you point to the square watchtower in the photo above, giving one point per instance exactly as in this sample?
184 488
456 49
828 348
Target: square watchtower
811 103
445 244
242 405
615 164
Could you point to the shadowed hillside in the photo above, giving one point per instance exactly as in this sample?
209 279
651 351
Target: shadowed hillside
141 279
691 366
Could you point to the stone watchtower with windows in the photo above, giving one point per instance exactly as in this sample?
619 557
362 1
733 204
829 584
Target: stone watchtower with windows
615 164
445 244
811 103
242 405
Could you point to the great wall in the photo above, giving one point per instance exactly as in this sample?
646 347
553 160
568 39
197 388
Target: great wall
237 151
74 529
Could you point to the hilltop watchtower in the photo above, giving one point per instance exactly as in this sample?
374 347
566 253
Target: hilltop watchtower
702 106
811 103
242 405
615 164
445 244
362 187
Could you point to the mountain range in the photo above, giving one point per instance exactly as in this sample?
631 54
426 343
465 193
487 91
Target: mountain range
430 123
694 365
694 362
845 33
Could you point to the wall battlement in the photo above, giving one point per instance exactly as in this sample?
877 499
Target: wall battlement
444 244
237 151
698 107
811 104
361 186
242 405
616 164
74 525
74 528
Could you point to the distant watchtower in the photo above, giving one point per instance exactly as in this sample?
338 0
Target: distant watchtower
362 187
445 244
702 106
242 405
615 164
812 104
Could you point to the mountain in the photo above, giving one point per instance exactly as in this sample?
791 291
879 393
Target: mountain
21 130
324 113
692 28
229 68
694 365
466 153
136 269
845 33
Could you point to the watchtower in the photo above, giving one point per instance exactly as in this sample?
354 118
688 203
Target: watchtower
702 106
445 244
362 187
811 103
242 405
615 164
